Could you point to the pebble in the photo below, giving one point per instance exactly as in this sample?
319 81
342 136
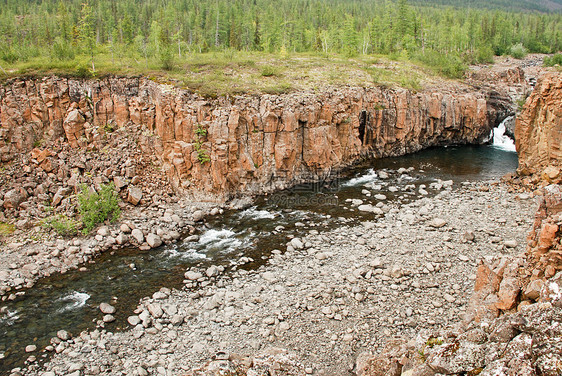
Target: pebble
510 243
193 276
134 320
360 282
107 308
108 318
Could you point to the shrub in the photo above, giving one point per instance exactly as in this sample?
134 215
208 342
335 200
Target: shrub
61 224
98 207
450 65
485 55
518 51
61 50
553 60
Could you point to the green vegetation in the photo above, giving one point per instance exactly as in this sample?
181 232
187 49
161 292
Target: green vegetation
202 45
61 224
98 207
554 60
6 229
518 51
202 154
270 70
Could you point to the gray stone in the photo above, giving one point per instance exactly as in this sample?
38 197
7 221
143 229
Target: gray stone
197 216
153 240
108 318
107 308
438 222
134 320
138 235
193 276
510 243
63 335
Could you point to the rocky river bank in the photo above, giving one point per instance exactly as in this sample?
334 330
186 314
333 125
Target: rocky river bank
324 299
327 302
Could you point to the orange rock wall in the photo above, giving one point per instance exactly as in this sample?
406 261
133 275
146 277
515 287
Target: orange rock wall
538 129
255 143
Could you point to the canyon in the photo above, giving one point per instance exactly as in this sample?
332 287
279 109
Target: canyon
226 147
176 157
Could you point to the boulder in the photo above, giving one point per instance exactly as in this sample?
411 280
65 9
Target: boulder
134 195
107 308
14 197
153 240
74 125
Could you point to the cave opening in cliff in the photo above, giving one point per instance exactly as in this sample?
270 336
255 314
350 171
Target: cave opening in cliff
363 117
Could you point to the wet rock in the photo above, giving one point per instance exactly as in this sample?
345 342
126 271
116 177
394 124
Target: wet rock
153 240
63 335
197 215
107 308
108 318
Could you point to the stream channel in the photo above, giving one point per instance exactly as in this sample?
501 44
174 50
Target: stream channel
70 301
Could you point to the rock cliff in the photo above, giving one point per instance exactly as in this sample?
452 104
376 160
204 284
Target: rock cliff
249 144
538 129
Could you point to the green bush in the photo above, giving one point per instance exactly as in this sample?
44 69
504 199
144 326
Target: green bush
98 207
450 65
485 55
553 60
518 51
62 50
61 224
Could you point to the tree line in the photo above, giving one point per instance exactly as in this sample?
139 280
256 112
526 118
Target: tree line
167 30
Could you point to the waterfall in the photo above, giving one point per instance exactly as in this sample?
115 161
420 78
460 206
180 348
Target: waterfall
500 139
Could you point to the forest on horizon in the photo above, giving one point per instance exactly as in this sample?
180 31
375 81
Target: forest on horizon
160 34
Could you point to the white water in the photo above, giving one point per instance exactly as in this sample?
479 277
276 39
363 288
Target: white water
369 177
500 140
9 318
254 213
223 240
75 300
189 255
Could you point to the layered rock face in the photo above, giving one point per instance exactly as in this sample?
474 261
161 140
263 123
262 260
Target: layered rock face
249 144
538 129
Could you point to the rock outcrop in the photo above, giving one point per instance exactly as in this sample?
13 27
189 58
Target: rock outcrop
513 321
538 129
248 144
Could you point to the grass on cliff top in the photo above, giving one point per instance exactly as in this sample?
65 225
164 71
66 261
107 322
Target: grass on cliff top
233 72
